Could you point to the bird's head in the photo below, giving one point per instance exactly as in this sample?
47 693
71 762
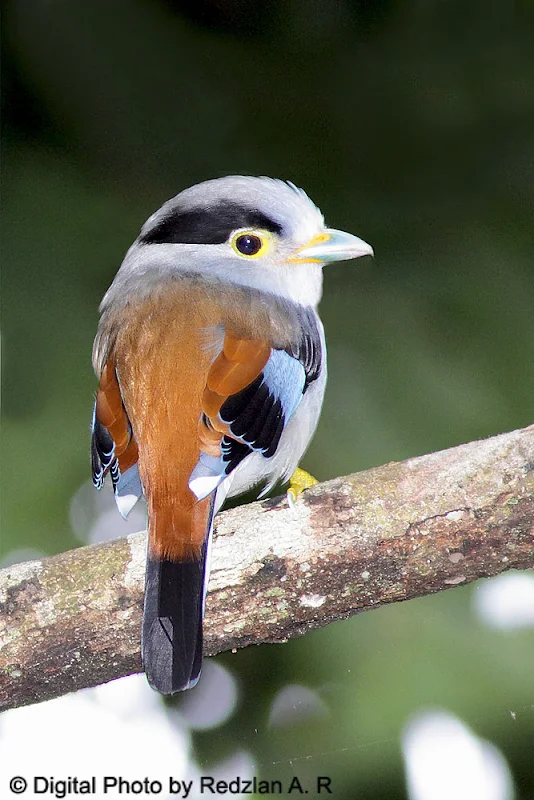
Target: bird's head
257 232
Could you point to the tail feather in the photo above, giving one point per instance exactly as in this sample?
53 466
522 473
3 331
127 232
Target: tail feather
172 623
175 595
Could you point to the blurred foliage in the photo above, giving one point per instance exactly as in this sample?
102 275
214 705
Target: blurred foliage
410 124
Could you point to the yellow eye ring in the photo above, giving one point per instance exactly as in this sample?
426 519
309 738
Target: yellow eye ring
250 243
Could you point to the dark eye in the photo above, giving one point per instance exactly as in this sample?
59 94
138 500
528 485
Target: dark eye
248 244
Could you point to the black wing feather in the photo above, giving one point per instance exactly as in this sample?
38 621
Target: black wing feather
102 453
308 349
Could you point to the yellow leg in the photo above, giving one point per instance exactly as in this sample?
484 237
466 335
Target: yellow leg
299 481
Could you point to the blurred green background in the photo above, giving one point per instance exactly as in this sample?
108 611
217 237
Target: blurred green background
410 124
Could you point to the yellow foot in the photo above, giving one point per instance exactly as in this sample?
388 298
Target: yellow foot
299 481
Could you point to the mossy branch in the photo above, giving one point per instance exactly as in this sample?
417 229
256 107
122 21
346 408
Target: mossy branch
351 544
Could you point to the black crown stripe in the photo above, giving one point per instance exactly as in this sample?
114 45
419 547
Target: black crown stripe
211 225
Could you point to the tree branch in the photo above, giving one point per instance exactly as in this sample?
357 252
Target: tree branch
354 543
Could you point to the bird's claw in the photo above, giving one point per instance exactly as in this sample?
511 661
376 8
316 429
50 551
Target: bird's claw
299 481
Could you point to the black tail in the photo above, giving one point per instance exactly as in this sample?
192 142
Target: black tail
172 623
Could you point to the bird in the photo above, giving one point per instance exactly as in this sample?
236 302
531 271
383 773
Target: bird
211 361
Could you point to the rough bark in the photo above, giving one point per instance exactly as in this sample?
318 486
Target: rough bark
354 543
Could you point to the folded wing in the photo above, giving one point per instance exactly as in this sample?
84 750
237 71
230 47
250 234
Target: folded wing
238 419
113 446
